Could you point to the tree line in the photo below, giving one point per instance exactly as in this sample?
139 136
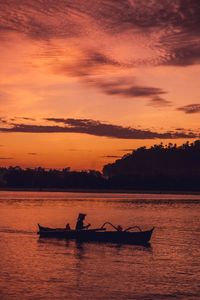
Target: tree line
160 167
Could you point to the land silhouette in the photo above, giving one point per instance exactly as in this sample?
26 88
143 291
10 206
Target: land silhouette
160 167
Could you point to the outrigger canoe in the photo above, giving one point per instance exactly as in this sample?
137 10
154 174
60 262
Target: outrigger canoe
99 234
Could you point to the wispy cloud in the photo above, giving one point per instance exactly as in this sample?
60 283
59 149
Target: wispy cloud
158 101
32 153
190 109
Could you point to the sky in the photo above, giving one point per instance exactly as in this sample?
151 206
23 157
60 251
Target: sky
84 82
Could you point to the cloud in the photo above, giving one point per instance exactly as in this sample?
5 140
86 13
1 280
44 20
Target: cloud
190 109
127 13
6 158
131 91
26 118
168 29
32 153
56 120
39 19
186 55
126 87
95 58
84 38
16 119
96 128
158 101
87 63
88 67
3 120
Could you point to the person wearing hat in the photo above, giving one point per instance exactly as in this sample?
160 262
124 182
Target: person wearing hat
80 224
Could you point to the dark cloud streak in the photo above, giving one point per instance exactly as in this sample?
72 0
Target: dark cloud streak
127 88
32 153
96 128
190 109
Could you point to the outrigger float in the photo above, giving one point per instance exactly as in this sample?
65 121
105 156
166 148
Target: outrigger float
118 235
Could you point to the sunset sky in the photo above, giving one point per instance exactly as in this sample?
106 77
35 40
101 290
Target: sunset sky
84 82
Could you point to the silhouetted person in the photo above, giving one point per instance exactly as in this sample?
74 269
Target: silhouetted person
80 224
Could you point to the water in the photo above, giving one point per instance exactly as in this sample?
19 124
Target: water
33 268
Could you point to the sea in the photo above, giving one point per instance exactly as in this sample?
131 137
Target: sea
38 268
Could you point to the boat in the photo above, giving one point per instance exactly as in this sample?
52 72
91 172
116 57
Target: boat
99 234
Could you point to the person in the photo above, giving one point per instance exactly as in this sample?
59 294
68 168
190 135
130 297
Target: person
80 222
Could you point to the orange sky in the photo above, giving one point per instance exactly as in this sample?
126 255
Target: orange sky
83 83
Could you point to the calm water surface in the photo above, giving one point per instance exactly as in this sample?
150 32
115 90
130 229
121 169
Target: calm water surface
33 268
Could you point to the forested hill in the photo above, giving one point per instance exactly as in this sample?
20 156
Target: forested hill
160 159
158 167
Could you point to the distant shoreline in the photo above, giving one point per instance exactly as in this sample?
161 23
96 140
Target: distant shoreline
93 191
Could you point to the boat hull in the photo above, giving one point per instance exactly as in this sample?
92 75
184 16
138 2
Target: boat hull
122 237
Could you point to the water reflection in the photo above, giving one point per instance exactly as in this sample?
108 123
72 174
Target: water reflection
81 248
42 268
